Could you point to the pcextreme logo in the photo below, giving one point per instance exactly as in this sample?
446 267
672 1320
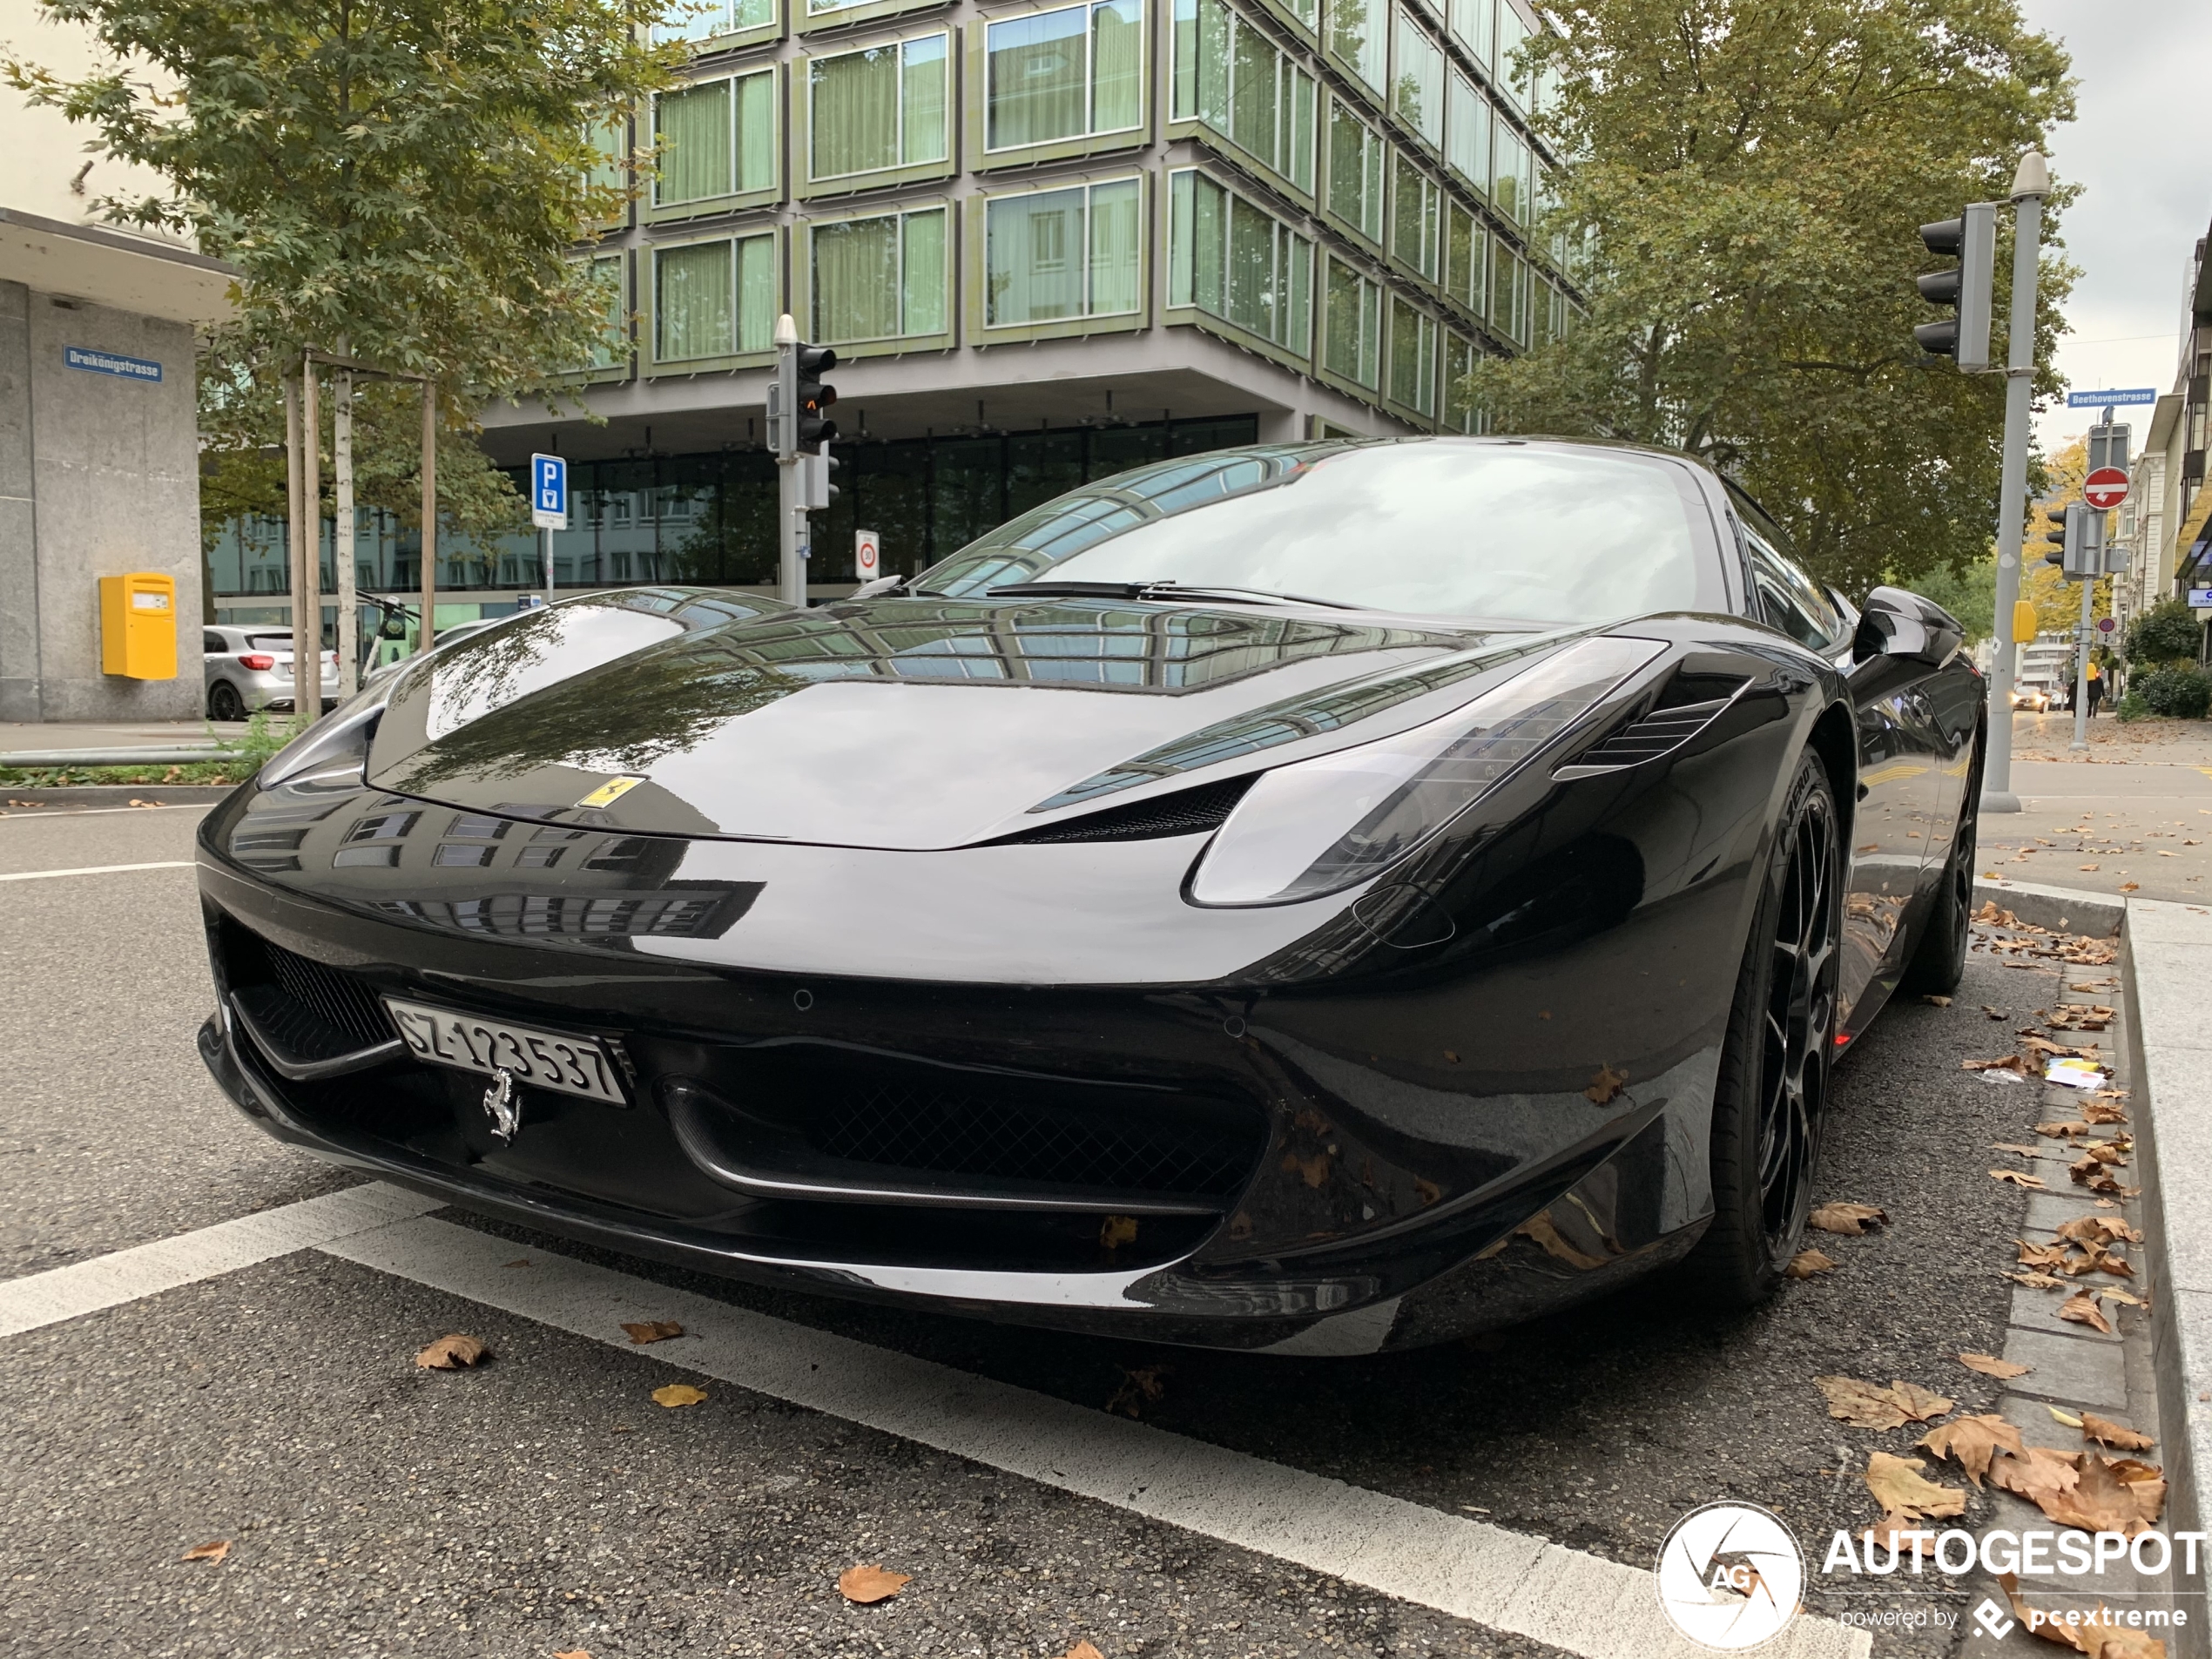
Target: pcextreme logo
1731 1576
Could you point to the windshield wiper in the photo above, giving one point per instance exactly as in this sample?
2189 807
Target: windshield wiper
1168 589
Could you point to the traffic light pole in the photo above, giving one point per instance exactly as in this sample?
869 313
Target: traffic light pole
2031 183
791 513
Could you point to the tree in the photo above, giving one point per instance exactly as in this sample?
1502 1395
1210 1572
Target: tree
2168 632
1748 178
407 178
2057 601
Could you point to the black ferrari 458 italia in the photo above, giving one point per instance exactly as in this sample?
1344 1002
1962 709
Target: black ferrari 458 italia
1311 898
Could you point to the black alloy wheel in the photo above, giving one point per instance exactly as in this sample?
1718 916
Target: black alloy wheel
1770 1099
224 702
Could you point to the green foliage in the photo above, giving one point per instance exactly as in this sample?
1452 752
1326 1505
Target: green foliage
192 771
2181 689
1749 179
1968 594
2168 632
263 735
2132 707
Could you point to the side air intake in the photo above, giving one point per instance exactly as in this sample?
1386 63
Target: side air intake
1188 811
1675 720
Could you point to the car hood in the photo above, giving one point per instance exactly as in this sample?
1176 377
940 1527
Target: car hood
903 724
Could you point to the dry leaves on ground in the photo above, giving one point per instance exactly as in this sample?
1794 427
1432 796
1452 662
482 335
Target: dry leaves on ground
868 1585
1139 1388
2107 1432
2094 1230
212 1552
1990 1366
1806 1263
1083 1650
2008 1146
2037 1281
2016 1177
1864 1404
452 1353
2083 1489
2008 1062
2081 1308
2098 1637
652 1330
573 1653
1117 1230
1973 1441
1607 1084
1850 1220
1906 1499
674 1394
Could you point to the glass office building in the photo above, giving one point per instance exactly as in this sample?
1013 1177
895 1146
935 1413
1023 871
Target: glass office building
1047 240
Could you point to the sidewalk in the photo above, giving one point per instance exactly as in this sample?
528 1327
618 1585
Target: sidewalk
39 736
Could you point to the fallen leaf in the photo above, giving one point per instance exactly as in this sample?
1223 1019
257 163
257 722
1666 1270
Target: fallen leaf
1850 1220
2007 1146
2081 1308
213 1552
652 1330
1973 1441
1117 1230
2065 1131
2120 1495
1990 1366
2017 1179
2010 1063
2088 1638
1901 1535
2042 1255
2043 1477
2094 1230
1806 1263
1083 1650
1605 1086
2107 1432
572 1652
1865 1405
1937 1001
2038 1281
1139 1388
451 1354
2088 867
674 1394
2067 1418
1897 1486
868 1585
2132 887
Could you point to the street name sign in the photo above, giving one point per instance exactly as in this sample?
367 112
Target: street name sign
2105 488
549 492
2132 397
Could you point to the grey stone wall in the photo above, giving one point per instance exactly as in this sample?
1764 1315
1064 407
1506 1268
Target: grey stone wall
98 476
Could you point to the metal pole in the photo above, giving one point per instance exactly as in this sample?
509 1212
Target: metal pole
307 672
2082 668
791 564
296 524
427 633
545 561
341 461
2030 184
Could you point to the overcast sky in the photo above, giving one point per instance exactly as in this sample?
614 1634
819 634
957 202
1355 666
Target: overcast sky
2139 149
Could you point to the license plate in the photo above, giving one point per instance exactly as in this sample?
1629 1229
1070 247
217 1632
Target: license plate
571 1065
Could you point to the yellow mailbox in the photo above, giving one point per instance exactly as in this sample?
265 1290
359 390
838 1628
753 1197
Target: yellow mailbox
138 626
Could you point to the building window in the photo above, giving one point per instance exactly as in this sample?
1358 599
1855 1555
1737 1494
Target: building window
1467 259
1511 33
1509 178
1459 412
610 142
716 139
1509 295
1412 358
1235 261
1467 128
1055 255
1417 91
612 348
1229 76
1475 23
714 299
1415 200
881 278
880 107
1065 74
1355 171
720 18
1352 330
1357 39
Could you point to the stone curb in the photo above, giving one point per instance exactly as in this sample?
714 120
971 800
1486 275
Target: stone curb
2166 955
115 794
2067 910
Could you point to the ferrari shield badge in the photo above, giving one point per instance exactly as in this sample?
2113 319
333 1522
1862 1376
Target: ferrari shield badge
611 791
503 1107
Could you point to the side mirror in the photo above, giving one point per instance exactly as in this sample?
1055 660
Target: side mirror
1896 624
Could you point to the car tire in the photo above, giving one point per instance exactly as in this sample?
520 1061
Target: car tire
1770 1097
1938 960
224 702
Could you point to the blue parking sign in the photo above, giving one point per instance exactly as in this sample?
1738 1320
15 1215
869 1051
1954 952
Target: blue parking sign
549 492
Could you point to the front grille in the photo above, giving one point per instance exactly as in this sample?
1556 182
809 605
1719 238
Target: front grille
947 1132
335 997
1188 811
687 913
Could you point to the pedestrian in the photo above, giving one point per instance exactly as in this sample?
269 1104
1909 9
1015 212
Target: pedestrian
2096 687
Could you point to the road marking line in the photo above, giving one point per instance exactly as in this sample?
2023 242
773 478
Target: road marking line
97 869
147 1270
1507 1581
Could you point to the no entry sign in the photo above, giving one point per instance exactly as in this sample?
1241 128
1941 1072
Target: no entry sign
2105 487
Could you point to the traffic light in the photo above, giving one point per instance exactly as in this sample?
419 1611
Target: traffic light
815 395
1971 238
2076 540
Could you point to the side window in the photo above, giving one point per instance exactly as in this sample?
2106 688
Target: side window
212 644
1789 600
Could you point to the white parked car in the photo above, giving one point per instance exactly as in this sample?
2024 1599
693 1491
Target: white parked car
251 668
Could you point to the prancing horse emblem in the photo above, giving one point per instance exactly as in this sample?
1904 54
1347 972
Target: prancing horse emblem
502 1107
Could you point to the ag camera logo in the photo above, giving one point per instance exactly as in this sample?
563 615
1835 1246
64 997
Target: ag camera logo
1730 1576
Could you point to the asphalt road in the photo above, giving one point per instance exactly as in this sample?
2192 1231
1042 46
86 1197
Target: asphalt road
545 1504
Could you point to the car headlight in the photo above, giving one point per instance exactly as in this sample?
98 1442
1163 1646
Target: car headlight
1320 825
333 750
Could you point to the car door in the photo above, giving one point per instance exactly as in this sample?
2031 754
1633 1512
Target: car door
1897 757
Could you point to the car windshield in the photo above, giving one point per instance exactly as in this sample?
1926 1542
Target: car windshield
1512 531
